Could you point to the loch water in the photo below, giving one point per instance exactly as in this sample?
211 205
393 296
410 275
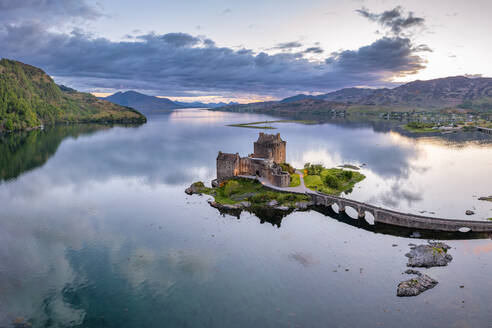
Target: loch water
96 230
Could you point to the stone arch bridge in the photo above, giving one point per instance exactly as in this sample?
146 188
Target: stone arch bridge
394 218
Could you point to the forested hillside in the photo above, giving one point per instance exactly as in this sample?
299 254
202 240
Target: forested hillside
29 98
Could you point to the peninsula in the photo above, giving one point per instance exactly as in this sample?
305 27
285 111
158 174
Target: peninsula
30 99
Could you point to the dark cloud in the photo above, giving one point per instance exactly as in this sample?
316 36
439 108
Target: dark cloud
314 50
393 19
180 64
393 55
288 45
177 39
18 10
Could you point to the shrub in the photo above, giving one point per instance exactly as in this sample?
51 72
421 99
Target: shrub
199 184
332 181
347 175
231 187
287 197
287 168
260 198
313 169
9 125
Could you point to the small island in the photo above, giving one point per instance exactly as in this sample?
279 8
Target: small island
264 179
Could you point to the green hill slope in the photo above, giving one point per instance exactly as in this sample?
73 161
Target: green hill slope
29 98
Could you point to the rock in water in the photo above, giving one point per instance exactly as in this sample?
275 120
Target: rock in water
431 255
415 286
469 212
196 188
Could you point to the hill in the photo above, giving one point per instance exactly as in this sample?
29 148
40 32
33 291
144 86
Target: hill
151 104
29 98
144 103
198 104
432 95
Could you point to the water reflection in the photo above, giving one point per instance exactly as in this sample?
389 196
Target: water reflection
275 217
102 234
25 151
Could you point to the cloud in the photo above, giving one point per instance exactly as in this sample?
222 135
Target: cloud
288 45
393 19
226 11
393 197
393 55
181 64
46 10
313 50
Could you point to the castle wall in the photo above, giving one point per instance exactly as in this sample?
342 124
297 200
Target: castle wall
280 180
279 152
227 166
245 166
262 150
270 147
269 150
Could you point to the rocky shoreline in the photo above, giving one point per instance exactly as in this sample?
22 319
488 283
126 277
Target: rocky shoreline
272 204
243 201
433 254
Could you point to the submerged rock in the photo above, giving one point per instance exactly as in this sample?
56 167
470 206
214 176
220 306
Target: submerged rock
410 271
303 205
415 286
431 255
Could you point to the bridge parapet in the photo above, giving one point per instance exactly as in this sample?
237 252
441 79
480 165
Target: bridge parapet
408 220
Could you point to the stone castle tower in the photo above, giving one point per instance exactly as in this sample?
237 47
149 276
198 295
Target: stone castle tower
269 152
270 146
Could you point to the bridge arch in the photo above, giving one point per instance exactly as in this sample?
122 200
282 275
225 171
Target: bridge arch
369 217
351 212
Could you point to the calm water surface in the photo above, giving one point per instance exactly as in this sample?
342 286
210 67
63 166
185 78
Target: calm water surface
96 231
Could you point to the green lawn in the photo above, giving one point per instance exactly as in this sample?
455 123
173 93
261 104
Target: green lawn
295 180
331 181
237 190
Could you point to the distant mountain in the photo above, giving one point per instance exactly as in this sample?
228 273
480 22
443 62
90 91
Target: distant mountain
29 98
197 104
298 97
458 91
348 95
144 103
446 93
152 104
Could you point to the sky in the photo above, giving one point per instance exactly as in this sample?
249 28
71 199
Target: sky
195 50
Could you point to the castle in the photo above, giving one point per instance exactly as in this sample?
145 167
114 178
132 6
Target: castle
269 152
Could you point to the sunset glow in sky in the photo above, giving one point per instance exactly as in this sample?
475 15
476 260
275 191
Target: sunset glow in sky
245 50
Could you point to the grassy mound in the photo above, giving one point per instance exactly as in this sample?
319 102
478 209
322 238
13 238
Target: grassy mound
330 181
235 191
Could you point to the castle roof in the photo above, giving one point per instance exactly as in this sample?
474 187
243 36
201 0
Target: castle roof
227 156
269 138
